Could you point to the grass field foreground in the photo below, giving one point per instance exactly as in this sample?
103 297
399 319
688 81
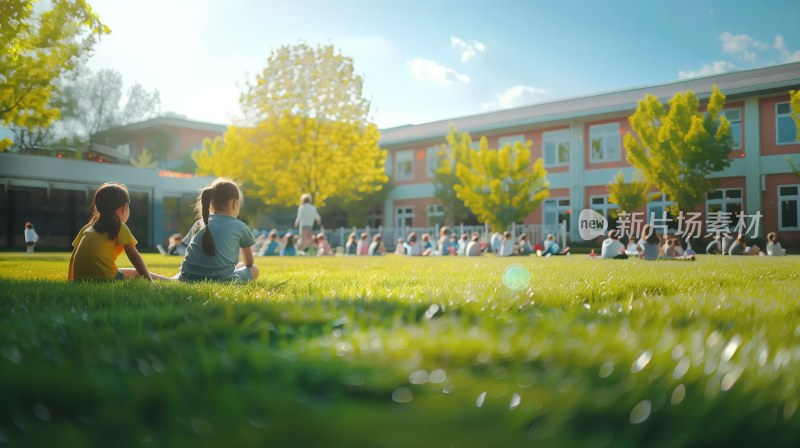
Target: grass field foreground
393 351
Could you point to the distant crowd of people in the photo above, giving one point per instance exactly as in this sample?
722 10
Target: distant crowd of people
448 244
652 246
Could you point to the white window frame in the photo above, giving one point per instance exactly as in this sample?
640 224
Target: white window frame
431 160
400 158
510 139
791 121
661 203
557 138
605 207
375 217
725 112
781 198
605 132
403 213
435 211
557 206
723 202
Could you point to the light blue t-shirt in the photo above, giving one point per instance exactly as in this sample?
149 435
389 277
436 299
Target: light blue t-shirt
229 235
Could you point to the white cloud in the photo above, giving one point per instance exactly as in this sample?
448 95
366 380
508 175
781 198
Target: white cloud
468 51
786 55
515 96
708 69
742 46
429 70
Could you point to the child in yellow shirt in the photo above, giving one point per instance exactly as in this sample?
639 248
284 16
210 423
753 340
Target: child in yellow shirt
102 240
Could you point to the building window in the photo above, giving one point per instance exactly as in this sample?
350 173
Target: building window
404 165
734 116
435 215
432 160
510 140
727 201
405 216
788 213
555 212
375 218
786 129
556 148
601 205
605 142
661 211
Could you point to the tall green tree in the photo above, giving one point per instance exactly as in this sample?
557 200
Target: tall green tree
305 128
629 196
92 102
501 186
445 179
677 147
35 49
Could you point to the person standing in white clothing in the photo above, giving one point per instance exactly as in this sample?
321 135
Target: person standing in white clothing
306 215
31 237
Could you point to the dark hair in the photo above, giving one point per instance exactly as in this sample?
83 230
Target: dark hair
218 195
412 237
650 235
107 199
289 237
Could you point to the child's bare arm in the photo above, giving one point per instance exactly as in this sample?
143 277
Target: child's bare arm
71 273
137 262
247 256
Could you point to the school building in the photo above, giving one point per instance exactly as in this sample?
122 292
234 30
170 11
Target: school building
53 188
580 141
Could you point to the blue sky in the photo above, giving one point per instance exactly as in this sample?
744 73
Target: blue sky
439 59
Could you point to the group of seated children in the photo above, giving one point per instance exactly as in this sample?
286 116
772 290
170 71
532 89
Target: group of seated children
212 246
727 245
288 246
651 246
471 245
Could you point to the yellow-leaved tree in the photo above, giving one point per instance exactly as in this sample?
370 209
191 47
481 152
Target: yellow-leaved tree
305 129
678 147
500 186
629 196
36 47
144 160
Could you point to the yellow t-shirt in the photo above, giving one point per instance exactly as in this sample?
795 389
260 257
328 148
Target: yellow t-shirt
96 255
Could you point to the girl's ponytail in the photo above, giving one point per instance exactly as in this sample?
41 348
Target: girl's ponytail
107 199
208 240
218 194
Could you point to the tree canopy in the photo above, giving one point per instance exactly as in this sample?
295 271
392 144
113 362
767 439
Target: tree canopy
678 147
629 196
35 49
501 186
92 102
305 129
444 175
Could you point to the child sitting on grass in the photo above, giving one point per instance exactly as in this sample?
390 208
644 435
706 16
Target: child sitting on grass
272 248
774 248
99 243
289 249
216 240
323 248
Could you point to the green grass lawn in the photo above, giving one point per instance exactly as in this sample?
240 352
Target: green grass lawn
385 352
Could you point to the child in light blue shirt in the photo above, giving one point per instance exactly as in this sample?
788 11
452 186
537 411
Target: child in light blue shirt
215 242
